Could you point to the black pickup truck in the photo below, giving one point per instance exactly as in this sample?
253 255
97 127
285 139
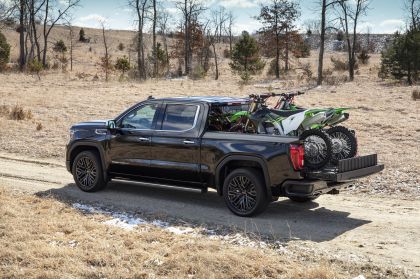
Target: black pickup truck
170 141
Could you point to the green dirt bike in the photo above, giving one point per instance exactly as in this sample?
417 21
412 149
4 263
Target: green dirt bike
263 120
344 141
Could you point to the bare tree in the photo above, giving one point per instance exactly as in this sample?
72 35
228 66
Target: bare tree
190 10
229 27
349 17
214 34
53 15
6 10
154 52
163 21
413 9
141 8
326 4
22 12
106 65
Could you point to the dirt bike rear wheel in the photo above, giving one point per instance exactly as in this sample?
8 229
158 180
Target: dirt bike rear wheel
318 148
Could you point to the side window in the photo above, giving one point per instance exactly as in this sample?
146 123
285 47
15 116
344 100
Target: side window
179 117
141 118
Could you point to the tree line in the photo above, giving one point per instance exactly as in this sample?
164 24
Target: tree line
198 30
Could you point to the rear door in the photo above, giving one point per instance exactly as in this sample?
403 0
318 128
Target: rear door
176 144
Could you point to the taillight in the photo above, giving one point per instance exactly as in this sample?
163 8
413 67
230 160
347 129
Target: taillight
296 155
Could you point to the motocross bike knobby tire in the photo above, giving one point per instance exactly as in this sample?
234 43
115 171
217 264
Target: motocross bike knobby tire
318 148
344 143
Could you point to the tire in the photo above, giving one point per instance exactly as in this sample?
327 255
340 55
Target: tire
87 172
344 143
303 199
252 183
318 148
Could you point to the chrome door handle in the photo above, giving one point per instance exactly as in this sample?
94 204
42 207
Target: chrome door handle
144 139
188 142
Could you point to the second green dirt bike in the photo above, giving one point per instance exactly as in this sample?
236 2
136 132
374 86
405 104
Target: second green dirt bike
344 141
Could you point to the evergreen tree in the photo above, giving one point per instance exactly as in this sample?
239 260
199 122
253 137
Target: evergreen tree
82 37
4 51
401 59
246 59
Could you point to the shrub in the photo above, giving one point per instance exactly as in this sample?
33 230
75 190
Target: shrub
39 126
82 37
60 46
4 52
364 56
226 53
35 67
416 94
18 113
198 72
122 65
340 65
121 47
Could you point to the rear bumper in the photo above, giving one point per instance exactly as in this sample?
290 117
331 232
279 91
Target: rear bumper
331 179
310 188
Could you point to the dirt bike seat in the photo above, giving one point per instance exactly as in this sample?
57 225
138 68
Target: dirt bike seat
286 113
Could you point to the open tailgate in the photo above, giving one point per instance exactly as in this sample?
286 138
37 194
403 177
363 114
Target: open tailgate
348 169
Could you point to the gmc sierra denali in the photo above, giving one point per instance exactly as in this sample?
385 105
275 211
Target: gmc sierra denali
171 141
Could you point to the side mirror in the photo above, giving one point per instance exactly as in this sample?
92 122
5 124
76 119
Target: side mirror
111 125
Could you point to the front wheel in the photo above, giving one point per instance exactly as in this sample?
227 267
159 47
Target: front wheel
344 143
244 192
318 148
87 172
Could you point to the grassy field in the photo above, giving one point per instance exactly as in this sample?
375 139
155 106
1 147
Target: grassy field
46 238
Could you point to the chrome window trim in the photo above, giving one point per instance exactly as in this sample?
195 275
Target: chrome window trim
197 113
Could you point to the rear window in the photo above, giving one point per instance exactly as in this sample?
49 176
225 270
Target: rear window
179 117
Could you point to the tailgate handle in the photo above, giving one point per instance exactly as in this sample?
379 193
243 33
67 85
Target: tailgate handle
188 142
144 139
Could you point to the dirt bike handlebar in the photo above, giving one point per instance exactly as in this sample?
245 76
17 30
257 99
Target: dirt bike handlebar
268 95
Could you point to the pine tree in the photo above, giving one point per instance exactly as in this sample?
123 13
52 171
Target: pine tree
246 59
4 51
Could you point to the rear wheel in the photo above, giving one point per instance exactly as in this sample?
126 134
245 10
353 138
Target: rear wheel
244 192
344 143
87 172
318 148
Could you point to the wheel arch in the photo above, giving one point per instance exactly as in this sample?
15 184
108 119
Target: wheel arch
238 161
79 147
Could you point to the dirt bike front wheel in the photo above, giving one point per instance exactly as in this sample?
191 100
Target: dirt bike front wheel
344 143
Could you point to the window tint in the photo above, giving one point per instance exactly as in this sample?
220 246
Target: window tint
179 117
141 118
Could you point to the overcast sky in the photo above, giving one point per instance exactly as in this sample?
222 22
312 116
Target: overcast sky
384 16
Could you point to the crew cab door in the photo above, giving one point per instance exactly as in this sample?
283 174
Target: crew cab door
176 144
130 144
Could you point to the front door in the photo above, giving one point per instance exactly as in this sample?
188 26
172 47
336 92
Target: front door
176 145
130 145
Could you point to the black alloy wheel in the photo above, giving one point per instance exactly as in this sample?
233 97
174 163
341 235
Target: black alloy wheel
87 172
244 192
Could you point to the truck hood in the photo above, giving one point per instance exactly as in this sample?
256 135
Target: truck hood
95 124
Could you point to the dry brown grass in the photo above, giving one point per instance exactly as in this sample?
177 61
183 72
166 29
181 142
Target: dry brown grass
416 94
44 238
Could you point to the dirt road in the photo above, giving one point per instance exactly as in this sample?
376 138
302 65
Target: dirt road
385 232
